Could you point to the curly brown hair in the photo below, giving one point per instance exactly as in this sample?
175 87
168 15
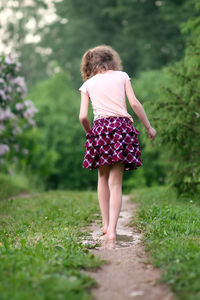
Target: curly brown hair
98 60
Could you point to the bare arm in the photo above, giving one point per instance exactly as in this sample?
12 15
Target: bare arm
138 109
83 115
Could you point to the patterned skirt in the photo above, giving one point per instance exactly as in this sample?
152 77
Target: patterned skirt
111 140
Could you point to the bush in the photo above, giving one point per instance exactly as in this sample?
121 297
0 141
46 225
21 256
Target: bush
147 88
16 112
178 114
62 137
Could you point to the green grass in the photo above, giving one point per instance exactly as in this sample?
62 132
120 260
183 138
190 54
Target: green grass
171 229
13 185
41 254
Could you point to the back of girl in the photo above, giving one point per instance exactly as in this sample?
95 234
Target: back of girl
112 144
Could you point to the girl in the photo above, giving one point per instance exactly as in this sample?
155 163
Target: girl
111 144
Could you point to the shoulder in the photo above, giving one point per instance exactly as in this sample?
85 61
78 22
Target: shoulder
123 74
90 80
84 87
126 75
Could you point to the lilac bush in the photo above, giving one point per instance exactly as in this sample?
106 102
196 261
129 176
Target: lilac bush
16 112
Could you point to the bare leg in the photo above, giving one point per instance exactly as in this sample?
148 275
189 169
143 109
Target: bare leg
104 194
115 186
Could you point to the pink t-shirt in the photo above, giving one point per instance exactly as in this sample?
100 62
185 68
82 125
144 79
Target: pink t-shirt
107 94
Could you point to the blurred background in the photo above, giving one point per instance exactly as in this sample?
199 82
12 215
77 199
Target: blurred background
41 46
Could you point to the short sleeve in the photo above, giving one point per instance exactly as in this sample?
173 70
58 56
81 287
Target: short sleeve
127 78
83 88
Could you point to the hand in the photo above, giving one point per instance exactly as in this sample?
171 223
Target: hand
151 132
88 132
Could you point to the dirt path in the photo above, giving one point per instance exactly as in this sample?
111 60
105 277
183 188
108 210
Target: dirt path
128 275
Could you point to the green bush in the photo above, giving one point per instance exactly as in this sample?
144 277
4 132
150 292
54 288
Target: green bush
61 137
148 89
178 114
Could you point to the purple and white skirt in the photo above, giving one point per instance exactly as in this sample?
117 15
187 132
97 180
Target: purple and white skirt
111 140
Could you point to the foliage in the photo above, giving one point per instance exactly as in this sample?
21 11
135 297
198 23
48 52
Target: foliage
16 112
154 42
127 26
21 22
148 89
62 133
178 114
171 229
146 33
68 145
41 247
120 24
13 185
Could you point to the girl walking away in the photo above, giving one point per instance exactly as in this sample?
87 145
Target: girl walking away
112 143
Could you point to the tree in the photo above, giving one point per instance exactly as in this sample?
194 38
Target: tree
178 113
146 33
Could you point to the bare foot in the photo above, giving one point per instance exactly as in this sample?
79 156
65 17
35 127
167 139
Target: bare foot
103 237
109 244
104 230
110 236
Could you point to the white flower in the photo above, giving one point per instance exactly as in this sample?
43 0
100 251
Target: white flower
19 81
18 89
19 106
6 114
4 148
28 103
29 113
17 130
2 95
9 60
25 151
9 89
9 77
31 122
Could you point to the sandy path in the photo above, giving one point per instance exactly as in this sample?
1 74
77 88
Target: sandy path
128 275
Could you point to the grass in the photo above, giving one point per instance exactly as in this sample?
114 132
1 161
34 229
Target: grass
13 185
41 254
171 229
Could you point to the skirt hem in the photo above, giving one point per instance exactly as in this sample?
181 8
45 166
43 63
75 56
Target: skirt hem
112 140
110 164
